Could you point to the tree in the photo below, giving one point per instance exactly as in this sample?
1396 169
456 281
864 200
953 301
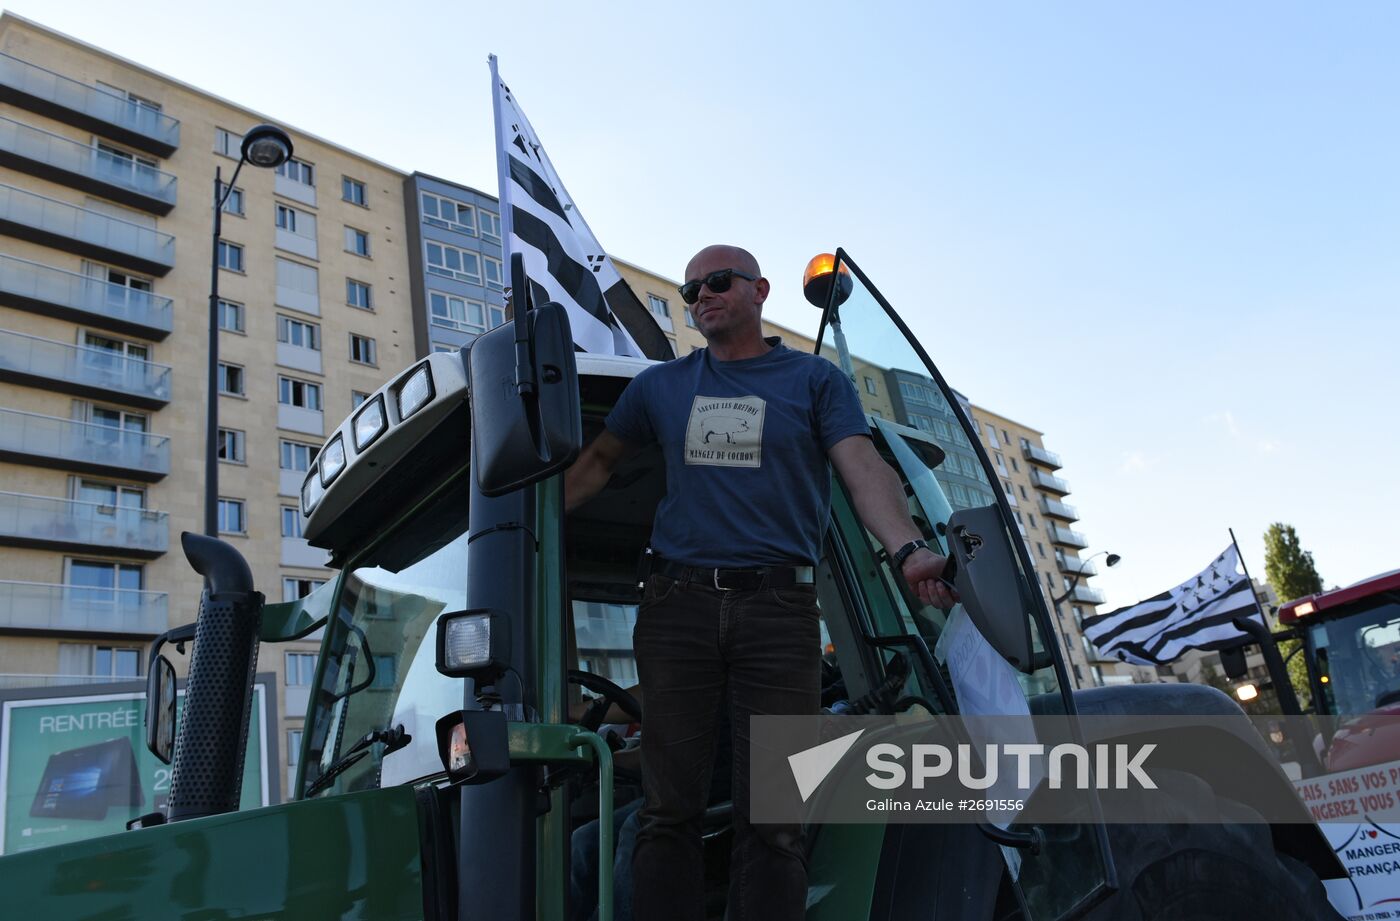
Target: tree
1291 573
1288 567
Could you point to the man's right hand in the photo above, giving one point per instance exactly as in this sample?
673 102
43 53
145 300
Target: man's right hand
594 467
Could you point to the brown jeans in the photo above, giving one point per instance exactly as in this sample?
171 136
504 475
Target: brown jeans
695 643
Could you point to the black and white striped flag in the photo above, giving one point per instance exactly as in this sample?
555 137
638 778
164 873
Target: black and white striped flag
1197 614
562 257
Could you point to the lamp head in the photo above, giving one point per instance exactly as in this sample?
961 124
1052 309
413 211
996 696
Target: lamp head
817 278
267 146
1112 560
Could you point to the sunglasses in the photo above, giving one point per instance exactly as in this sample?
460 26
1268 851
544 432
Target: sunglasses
718 282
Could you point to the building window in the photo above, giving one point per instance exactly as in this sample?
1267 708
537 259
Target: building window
230 256
234 203
493 272
659 306
298 171
870 386
1025 442
357 294
1023 492
448 214
461 314
231 517
1032 517
291 521
386 672
292 589
356 398
287 218
674 349
228 143
230 316
356 241
302 394
352 190
1015 467
231 379
362 350
231 447
297 333
1039 548
490 226
1005 438
297 456
117 662
690 320
301 669
451 262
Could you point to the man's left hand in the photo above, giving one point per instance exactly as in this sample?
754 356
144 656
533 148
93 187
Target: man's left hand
923 571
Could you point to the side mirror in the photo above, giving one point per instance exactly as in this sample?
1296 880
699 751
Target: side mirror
521 438
1232 661
994 593
160 710
474 745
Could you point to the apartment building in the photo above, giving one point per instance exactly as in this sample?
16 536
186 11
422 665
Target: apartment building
106 191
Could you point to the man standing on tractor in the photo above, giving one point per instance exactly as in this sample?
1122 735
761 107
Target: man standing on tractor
749 430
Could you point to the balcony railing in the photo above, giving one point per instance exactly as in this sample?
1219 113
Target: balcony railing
1087 594
84 232
105 112
1072 565
1054 508
1052 483
13 681
1065 536
119 178
42 521
44 608
83 370
1038 455
91 301
84 447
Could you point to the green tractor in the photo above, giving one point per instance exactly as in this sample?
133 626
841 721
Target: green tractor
442 776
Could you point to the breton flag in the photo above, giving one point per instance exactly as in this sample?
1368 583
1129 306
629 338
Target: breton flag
562 257
1197 614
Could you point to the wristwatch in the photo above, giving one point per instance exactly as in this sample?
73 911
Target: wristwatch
902 554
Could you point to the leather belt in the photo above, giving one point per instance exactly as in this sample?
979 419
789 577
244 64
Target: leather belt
727 580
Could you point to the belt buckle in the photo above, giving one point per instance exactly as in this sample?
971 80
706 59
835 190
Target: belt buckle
714 576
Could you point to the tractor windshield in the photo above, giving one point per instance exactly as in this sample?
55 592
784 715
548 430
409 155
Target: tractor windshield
378 663
1357 657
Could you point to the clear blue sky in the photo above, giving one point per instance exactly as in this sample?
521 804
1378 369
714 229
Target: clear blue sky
1165 236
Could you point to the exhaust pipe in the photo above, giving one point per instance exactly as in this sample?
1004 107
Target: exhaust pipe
213 739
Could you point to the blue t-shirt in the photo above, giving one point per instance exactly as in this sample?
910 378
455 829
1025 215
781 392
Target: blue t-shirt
745 442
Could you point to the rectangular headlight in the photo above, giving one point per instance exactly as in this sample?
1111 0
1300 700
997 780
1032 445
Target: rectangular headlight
415 391
311 491
332 460
473 644
370 423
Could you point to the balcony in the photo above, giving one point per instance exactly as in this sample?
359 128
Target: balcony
1049 483
35 607
300 419
109 175
13 681
100 111
1072 565
297 552
1087 595
85 233
82 370
1067 537
82 447
1038 455
65 524
52 292
1054 508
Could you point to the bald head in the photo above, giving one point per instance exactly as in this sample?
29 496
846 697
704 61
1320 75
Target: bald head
722 256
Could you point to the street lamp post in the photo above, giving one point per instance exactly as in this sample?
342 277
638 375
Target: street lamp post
1112 560
266 147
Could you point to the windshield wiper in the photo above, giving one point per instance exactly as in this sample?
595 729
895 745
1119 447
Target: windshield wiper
393 739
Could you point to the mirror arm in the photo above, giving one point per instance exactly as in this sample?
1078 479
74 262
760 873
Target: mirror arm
178 635
522 302
917 644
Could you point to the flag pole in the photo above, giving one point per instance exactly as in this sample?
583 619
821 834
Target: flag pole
1258 602
502 167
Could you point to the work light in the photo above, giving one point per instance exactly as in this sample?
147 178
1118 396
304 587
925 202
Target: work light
473 644
311 490
332 460
414 392
370 423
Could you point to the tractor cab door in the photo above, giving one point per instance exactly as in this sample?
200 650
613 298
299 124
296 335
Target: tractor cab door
924 429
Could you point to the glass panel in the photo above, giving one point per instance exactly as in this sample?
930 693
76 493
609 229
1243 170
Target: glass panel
925 439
